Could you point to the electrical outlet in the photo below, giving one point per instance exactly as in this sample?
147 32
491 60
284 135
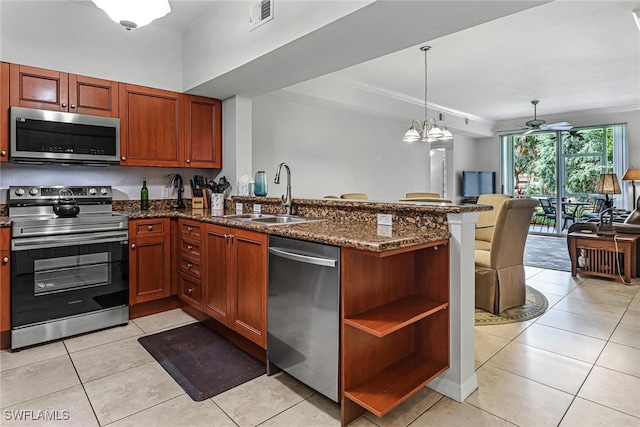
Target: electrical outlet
385 230
257 208
238 208
165 192
384 219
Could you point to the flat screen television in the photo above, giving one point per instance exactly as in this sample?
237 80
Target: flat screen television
475 183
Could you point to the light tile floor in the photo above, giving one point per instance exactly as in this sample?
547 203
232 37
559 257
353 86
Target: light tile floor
576 365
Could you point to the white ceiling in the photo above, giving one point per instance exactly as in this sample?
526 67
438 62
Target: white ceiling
571 55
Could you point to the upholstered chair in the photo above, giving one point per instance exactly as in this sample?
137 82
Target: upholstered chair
487 219
500 278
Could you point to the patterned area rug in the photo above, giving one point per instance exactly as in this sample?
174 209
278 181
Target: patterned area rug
535 305
547 252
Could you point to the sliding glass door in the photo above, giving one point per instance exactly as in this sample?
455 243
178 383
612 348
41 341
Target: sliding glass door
561 169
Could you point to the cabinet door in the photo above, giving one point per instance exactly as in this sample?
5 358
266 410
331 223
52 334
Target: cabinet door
203 132
249 295
4 111
5 278
38 88
150 129
149 266
217 242
88 95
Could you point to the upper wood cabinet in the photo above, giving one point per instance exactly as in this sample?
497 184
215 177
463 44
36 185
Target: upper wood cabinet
4 111
150 129
33 87
203 132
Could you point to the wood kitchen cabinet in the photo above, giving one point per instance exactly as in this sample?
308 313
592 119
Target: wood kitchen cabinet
395 325
4 111
33 87
190 262
5 293
149 260
235 284
203 132
151 132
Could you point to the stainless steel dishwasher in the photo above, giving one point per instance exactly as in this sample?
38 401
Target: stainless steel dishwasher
303 312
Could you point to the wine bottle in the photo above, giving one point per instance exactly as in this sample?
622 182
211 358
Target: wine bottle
144 196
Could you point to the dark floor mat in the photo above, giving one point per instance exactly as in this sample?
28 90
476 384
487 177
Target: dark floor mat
201 361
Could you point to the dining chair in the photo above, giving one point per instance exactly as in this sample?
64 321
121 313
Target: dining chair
428 195
360 196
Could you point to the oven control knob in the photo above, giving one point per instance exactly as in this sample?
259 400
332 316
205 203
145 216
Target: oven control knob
19 192
92 191
103 191
33 191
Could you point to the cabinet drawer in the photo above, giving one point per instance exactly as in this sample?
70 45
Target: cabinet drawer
189 266
190 229
190 249
191 290
151 227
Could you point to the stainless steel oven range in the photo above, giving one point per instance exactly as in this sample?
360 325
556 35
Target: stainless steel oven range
69 268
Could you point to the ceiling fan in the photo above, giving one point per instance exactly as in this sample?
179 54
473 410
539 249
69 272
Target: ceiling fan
539 124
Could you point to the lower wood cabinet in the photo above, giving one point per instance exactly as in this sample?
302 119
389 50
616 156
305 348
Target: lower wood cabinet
149 259
5 278
190 262
235 281
395 325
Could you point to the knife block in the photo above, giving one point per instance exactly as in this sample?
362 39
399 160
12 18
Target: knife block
203 202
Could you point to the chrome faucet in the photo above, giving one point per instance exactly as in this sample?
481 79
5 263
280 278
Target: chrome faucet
286 200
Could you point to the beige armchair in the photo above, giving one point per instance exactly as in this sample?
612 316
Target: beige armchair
487 219
500 279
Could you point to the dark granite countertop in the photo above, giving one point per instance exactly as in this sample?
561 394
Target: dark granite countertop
348 223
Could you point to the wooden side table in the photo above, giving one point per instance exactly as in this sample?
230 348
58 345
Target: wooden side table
600 255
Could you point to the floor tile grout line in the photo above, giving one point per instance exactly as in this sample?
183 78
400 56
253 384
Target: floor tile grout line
84 390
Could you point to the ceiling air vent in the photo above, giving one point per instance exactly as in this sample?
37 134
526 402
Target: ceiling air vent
260 13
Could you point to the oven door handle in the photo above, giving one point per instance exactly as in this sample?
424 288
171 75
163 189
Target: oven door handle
41 242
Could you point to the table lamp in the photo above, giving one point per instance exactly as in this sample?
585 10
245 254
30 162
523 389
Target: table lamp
632 175
608 184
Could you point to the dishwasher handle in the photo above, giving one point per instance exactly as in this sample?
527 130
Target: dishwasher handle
324 262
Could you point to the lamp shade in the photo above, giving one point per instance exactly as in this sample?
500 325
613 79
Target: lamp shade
134 13
631 174
608 184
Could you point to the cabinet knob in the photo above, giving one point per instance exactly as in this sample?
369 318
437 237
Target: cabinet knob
150 228
190 290
190 229
133 246
123 158
5 260
64 105
3 153
188 160
73 105
189 247
189 265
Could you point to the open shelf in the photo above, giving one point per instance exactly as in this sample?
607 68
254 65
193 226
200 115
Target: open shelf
395 315
388 388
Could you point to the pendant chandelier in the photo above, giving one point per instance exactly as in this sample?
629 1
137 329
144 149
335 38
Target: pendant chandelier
430 130
134 13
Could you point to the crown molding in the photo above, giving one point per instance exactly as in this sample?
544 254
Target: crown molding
405 98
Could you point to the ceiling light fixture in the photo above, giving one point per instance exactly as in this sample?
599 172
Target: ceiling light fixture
134 13
430 130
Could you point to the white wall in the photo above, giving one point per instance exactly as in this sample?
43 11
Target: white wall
66 36
332 150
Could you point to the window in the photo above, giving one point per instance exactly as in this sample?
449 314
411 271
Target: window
564 164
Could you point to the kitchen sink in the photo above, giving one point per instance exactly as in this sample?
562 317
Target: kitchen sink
270 219
246 216
283 219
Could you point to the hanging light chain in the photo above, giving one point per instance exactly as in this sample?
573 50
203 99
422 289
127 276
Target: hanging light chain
425 49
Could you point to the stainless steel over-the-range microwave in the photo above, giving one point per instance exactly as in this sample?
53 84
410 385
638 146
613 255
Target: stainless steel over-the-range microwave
42 136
